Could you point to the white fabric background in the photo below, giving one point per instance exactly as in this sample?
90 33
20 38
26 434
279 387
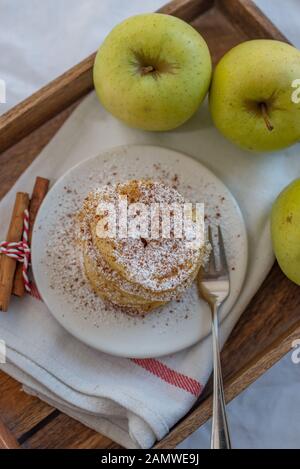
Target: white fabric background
40 40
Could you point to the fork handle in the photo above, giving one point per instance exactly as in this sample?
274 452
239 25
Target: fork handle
220 438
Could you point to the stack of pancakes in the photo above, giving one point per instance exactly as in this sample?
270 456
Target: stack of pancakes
136 270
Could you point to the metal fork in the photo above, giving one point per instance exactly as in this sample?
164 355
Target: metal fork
214 287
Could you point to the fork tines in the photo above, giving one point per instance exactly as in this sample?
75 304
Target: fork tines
217 261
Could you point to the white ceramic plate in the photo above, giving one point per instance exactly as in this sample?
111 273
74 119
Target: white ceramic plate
57 263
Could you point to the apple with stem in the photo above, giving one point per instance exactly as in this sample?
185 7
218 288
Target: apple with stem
251 96
152 71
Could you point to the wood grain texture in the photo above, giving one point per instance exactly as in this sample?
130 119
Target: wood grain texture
46 103
65 432
248 18
261 337
69 87
78 81
7 440
19 411
271 321
186 9
219 31
15 160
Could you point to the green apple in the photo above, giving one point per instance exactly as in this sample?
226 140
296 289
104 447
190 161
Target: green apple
152 71
251 95
285 228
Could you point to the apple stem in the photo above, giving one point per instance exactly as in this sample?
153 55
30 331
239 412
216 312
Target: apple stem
145 70
264 111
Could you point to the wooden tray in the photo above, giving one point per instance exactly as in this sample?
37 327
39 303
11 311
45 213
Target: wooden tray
266 330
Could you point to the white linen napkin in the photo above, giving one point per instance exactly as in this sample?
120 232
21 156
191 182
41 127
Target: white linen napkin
135 402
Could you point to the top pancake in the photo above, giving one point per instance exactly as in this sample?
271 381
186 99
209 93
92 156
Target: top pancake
156 265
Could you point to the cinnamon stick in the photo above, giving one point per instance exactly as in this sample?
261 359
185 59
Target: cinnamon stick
14 234
40 189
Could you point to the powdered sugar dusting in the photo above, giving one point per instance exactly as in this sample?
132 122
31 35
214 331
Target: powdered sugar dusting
61 267
157 265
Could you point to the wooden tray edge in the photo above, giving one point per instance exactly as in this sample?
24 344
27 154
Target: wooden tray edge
34 111
58 95
257 21
238 383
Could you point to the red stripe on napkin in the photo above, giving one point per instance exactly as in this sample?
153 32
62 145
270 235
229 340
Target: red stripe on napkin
170 376
156 367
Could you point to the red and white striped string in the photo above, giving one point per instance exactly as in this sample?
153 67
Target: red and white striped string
20 251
